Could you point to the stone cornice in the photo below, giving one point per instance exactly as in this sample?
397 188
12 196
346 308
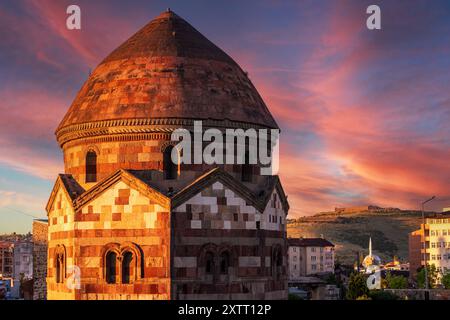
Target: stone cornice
56 186
71 194
176 199
208 179
130 180
276 185
116 138
204 181
138 128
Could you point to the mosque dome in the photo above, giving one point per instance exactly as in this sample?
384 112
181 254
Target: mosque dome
371 262
165 73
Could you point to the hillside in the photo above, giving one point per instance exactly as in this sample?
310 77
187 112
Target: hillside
350 232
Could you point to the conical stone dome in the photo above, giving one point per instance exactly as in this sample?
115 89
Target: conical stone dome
165 74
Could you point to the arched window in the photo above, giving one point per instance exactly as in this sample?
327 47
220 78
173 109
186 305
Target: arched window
279 260
170 168
209 263
224 262
123 263
127 258
60 263
60 268
247 169
91 166
277 263
111 258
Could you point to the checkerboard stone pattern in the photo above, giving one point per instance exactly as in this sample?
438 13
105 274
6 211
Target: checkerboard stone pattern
120 214
113 155
130 229
216 220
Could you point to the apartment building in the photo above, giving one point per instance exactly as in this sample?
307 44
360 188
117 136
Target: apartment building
23 259
431 242
309 256
6 259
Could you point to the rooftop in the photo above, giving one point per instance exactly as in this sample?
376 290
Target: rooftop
167 70
309 242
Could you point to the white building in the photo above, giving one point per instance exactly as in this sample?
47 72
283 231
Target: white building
308 256
439 243
371 262
23 259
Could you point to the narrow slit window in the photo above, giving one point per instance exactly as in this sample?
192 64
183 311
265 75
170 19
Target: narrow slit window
91 166
224 262
209 263
170 168
127 267
111 258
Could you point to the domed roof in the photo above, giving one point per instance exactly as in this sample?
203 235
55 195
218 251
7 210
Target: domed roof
168 70
371 260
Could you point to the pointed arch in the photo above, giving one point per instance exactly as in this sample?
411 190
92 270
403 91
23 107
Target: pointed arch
127 266
225 260
60 263
277 262
207 262
122 263
111 267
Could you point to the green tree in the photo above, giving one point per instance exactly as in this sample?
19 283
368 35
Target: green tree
331 279
432 276
293 297
396 282
382 295
446 280
357 286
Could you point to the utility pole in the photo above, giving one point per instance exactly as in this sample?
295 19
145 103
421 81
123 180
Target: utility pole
425 246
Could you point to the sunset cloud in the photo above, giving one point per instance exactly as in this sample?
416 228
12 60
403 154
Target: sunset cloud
364 114
379 120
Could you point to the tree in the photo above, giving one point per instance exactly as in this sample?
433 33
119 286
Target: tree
382 295
396 282
446 280
293 297
331 279
432 276
357 286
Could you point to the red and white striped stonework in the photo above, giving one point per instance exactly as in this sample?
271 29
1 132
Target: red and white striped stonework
123 223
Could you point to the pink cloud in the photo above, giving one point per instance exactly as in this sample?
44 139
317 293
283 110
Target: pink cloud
27 142
365 146
369 150
39 29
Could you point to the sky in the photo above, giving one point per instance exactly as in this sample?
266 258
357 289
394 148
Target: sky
364 114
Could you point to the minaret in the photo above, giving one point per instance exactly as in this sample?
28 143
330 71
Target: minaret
370 246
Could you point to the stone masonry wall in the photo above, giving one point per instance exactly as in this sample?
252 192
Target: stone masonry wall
40 235
120 219
218 221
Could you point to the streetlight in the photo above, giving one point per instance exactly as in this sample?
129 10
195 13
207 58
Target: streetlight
424 241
